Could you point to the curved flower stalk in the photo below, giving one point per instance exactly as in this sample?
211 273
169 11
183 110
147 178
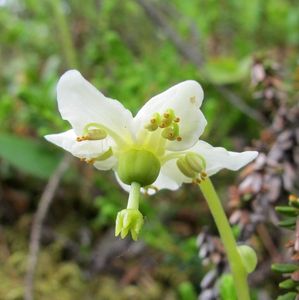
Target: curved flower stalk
157 149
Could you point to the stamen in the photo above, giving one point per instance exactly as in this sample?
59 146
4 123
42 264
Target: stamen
193 166
168 122
95 131
154 122
92 135
105 155
184 168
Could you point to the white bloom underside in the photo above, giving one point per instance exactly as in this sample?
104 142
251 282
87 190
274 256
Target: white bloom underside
80 103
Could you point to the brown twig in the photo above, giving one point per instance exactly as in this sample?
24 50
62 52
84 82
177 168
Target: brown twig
43 206
193 55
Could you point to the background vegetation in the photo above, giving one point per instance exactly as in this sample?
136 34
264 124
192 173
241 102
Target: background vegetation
130 50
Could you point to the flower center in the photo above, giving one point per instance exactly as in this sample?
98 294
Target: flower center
138 165
168 122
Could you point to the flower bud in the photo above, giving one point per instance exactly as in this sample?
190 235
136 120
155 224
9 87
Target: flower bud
248 257
129 220
139 166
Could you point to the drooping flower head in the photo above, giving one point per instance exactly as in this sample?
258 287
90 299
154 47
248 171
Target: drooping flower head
157 149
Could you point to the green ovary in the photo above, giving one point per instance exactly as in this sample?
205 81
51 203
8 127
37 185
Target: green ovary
138 165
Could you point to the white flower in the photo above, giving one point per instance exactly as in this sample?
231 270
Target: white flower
159 148
86 108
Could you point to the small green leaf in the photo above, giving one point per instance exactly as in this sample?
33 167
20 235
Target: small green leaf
287 210
287 284
284 268
288 296
288 223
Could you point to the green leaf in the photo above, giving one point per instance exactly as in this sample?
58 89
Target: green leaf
288 296
287 284
287 210
288 223
187 291
284 268
29 156
227 288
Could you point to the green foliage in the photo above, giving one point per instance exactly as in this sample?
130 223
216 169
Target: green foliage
28 155
129 58
290 213
186 291
226 288
227 70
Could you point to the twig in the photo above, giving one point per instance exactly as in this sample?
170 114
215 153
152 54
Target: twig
158 19
193 55
43 206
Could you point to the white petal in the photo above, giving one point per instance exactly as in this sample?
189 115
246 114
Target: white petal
185 99
81 103
162 182
107 164
84 149
218 158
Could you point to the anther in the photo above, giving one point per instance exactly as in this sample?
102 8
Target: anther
177 120
203 174
179 138
197 180
154 122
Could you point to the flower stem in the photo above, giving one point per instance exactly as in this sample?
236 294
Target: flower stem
133 202
238 271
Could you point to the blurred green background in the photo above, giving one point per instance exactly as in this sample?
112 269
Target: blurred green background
130 50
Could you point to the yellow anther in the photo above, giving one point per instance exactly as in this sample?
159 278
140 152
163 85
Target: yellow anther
203 174
166 122
87 160
179 138
196 181
105 155
154 122
81 138
90 161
